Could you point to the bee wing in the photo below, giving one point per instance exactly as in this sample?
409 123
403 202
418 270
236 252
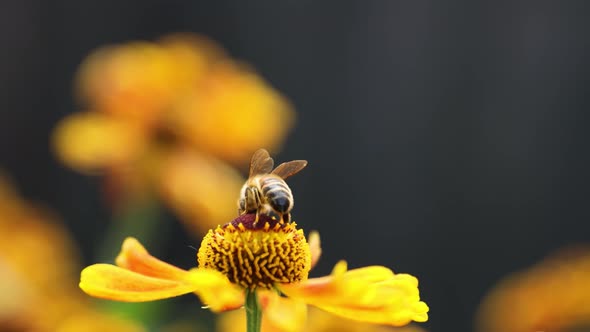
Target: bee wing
261 163
289 168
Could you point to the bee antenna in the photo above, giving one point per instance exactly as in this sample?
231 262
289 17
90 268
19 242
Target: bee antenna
195 249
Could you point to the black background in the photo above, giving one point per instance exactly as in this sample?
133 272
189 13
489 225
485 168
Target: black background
446 139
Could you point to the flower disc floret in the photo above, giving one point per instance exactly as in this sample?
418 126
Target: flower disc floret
257 254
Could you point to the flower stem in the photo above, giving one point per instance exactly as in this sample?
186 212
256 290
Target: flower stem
253 312
141 219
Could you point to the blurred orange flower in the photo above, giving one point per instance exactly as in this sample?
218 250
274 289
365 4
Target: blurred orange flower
148 106
553 295
139 81
92 141
35 300
200 188
264 256
233 113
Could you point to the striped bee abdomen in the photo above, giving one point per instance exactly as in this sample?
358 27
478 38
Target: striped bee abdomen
277 193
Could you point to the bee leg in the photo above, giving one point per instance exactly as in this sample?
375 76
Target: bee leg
286 218
257 217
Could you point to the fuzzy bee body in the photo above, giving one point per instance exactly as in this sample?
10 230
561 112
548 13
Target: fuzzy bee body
267 192
277 193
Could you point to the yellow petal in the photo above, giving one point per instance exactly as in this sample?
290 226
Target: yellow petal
229 114
215 290
552 295
141 277
193 56
281 313
201 189
371 294
314 247
322 321
232 321
89 142
134 257
115 283
136 81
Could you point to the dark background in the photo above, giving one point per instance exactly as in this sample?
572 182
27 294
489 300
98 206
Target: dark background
446 139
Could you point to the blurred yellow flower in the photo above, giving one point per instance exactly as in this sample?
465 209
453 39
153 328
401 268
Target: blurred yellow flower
200 189
266 256
149 105
135 81
231 103
93 321
92 141
29 229
38 266
193 55
130 91
553 295
181 88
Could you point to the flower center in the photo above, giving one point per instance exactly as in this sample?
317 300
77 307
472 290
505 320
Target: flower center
257 254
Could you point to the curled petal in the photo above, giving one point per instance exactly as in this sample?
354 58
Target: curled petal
314 247
134 257
114 283
141 277
371 294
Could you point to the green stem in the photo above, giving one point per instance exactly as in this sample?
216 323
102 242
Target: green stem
253 312
140 219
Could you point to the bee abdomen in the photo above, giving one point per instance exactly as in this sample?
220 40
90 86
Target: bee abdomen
278 194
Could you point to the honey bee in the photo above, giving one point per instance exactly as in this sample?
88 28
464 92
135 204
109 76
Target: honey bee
266 191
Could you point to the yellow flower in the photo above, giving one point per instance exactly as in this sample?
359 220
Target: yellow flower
149 105
266 256
183 89
42 301
92 142
137 81
199 188
130 90
553 295
193 55
230 104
